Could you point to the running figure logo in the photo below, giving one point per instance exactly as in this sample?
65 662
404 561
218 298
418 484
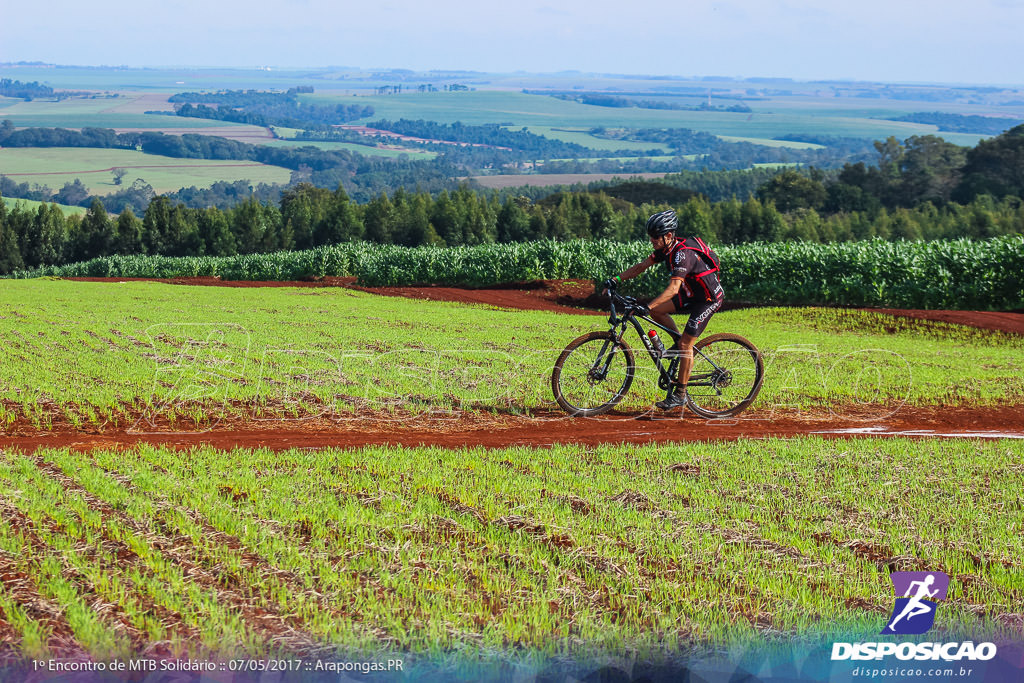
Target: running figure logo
914 612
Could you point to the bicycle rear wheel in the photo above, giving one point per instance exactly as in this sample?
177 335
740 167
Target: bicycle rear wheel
726 376
592 374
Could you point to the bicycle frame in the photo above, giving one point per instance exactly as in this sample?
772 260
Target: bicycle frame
667 379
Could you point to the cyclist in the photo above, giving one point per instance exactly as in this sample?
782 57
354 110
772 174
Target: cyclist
693 288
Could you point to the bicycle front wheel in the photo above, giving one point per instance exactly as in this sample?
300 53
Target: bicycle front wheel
592 374
726 376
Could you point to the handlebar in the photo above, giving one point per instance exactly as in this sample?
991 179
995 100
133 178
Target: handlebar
629 304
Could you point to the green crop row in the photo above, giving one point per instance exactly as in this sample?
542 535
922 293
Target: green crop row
963 273
567 550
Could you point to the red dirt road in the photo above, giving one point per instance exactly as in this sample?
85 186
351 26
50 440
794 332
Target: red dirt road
545 429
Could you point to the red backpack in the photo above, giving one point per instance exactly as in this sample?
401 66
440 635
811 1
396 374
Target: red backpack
698 245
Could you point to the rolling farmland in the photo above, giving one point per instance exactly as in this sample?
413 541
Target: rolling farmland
55 166
318 473
517 110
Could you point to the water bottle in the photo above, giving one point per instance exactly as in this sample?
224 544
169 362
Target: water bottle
659 348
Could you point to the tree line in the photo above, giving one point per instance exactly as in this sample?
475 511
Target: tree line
363 176
961 123
286 114
923 187
308 216
602 99
263 108
531 145
922 169
25 91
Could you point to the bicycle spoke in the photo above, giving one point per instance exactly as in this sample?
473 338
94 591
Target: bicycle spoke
726 376
592 375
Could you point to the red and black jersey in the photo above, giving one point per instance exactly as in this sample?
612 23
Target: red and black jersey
696 265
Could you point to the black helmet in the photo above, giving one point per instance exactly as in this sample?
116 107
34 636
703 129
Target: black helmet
662 223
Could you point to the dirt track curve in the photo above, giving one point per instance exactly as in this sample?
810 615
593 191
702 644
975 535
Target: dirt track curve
546 428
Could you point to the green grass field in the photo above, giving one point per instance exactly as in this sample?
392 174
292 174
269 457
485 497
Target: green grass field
773 143
581 136
93 353
651 550
34 205
365 150
79 113
54 166
518 109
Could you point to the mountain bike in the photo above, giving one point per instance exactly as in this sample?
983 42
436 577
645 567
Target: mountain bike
595 371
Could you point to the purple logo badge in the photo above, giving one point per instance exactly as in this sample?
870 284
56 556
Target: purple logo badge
916 596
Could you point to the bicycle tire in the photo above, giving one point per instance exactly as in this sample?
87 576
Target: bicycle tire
577 389
740 365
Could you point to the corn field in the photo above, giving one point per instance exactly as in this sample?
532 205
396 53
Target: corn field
962 273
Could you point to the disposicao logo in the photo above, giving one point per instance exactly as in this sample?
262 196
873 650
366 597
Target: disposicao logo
914 612
917 594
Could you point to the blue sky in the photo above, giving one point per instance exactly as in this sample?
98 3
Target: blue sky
888 40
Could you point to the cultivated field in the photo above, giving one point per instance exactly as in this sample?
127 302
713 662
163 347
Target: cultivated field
98 113
567 550
122 96
772 143
386 151
582 136
54 166
321 472
518 109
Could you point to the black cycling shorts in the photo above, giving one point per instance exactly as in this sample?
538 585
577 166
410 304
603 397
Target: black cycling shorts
700 312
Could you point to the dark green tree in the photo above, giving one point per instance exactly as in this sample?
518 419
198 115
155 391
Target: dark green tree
72 194
342 223
305 207
156 224
129 234
215 233
791 190
695 219
10 252
994 167
46 237
256 227
379 218
447 220
929 170
513 223
97 234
